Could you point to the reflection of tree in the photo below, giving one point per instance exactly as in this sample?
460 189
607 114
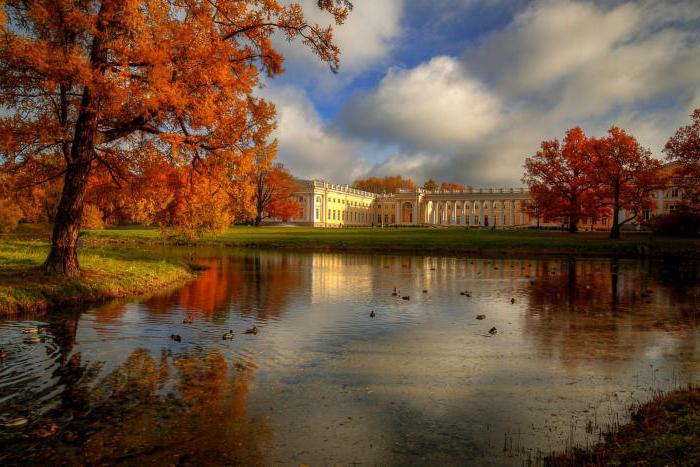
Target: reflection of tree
585 309
159 411
257 284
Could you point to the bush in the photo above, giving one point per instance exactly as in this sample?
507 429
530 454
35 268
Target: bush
10 215
679 224
92 218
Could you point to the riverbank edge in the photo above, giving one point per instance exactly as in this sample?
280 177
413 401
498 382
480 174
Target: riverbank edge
639 251
662 431
29 291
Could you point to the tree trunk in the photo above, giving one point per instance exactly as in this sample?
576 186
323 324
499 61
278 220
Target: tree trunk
615 230
258 220
63 257
573 228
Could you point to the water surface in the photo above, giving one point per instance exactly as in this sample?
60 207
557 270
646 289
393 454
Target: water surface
577 341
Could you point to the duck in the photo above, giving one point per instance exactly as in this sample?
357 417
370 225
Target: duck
31 330
253 330
395 292
480 317
512 300
406 297
425 291
176 337
3 355
372 314
228 336
189 319
493 331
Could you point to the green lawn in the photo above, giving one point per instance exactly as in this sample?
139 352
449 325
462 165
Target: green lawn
420 239
108 272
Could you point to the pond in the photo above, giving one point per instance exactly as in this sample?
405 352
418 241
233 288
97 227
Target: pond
564 346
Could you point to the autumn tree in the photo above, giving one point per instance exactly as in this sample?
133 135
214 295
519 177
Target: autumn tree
85 83
388 184
273 189
430 185
625 174
451 186
560 179
683 148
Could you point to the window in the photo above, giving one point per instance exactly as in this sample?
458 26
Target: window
318 213
674 193
379 219
645 214
329 214
301 199
393 219
386 218
605 221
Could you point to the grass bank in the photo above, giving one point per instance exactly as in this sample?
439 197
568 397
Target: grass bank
423 240
663 431
108 272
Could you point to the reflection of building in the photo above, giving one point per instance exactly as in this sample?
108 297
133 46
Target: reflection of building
333 205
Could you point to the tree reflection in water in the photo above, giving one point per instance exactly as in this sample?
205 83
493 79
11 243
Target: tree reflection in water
583 309
151 411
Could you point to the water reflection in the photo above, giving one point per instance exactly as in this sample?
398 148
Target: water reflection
322 382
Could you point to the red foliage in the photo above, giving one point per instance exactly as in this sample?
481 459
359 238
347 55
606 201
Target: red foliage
684 148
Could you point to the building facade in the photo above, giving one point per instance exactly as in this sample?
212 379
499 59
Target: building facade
325 204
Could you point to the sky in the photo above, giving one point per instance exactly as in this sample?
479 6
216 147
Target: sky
465 90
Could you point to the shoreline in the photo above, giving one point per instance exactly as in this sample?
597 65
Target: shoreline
664 430
107 274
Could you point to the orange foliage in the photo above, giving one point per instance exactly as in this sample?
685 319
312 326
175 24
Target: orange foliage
450 186
10 215
389 184
273 189
90 84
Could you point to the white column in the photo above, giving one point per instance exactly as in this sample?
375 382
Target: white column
454 213
398 213
416 212
512 212
494 214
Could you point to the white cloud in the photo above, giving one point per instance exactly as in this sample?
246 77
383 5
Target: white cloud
435 105
556 65
307 146
365 40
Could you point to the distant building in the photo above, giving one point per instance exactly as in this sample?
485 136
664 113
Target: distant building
325 204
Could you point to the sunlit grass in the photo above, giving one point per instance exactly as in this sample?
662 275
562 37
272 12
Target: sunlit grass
419 239
107 273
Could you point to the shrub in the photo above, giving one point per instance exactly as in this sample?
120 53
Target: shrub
679 223
10 215
92 218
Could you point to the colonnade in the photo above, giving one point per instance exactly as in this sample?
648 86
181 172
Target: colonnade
499 213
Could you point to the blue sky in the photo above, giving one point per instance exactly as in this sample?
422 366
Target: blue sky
464 90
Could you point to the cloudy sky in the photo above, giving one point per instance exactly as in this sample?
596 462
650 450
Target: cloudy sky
464 90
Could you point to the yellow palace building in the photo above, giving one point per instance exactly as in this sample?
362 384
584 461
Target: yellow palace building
325 204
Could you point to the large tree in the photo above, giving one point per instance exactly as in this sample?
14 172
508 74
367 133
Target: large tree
90 82
683 148
559 178
625 174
